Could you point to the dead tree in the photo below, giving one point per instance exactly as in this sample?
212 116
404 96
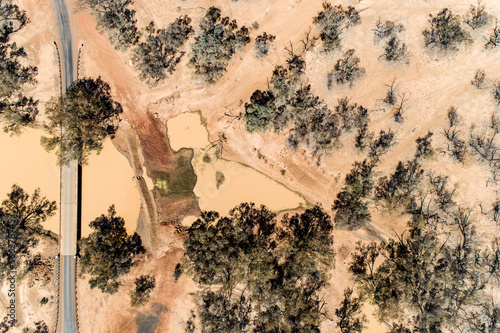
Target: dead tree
390 97
494 39
219 144
308 41
400 109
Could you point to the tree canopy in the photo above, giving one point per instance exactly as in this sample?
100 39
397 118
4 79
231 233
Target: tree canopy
17 109
108 252
161 52
21 216
332 21
215 45
259 275
142 291
289 104
88 115
445 31
117 18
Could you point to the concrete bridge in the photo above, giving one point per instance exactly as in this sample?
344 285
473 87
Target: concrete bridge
70 195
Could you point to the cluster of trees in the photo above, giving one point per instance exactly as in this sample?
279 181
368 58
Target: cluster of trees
160 53
215 45
445 31
117 18
17 109
109 253
481 143
350 208
88 115
262 44
332 21
160 49
289 103
346 69
40 327
258 274
21 216
435 277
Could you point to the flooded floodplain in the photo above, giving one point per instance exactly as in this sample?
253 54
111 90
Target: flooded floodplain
107 179
222 184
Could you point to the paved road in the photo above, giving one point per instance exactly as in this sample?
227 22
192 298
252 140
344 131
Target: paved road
67 320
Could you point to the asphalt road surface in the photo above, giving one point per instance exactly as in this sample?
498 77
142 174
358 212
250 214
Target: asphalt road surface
67 319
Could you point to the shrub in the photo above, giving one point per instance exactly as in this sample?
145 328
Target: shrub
262 44
445 31
381 145
478 80
494 39
476 17
351 115
394 49
496 92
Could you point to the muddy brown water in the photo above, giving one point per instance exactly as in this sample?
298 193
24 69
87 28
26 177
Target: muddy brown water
107 179
223 184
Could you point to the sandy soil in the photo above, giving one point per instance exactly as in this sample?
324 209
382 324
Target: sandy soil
432 82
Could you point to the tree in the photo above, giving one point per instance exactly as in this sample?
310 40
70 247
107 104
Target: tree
381 145
260 111
262 44
87 114
256 275
350 318
351 115
445 31
108 252
398 188
117 18
20 221
332 21
346 69
456 146
394 50
17 110
142 292
160 53
424 146
350 208
216 44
